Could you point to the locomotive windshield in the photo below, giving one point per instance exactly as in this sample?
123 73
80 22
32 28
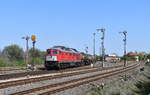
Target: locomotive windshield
48 52
54 52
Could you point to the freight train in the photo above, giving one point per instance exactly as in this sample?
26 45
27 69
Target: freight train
63 57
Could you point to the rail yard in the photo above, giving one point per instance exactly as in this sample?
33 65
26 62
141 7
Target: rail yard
56 82
65 71
74 47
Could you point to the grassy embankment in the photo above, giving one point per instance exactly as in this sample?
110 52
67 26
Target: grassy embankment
138 83
20 63
143 85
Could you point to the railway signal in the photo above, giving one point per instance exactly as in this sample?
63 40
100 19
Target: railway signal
86 49
94 61
102 44
125 43
33 38
27 50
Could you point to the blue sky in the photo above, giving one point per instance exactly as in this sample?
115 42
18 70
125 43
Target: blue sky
72 23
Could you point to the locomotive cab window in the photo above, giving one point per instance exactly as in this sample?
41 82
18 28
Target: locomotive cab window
48 52
55 52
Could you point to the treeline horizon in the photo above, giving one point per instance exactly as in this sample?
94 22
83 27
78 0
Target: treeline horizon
14 55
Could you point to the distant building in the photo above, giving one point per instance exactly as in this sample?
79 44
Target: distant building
135 55
112 58
113 55
142 53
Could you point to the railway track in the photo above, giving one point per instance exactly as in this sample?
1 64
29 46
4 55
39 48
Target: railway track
10 69
15 68
62 86
50 77
35 73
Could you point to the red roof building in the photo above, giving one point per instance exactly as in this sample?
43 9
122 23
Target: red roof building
132 54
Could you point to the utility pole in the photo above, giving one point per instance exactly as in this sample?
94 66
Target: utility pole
94 47
100 51
125 43
86 49
102 44
27 50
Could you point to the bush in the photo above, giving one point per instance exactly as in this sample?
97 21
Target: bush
2 62
12 55
129 58
20 63
13 52
38 56
37 61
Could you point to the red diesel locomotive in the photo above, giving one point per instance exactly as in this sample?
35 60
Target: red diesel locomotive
63 57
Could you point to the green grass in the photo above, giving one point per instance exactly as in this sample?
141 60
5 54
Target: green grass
19 63
144 88
3 63
37 61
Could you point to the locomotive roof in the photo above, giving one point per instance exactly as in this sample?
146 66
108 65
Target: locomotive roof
65 49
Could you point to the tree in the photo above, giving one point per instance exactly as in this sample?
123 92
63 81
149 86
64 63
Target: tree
35 53
148 56
13 52
0 53
99 58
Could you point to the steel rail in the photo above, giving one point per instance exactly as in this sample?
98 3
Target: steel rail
33 73
82 83
32 80
102 75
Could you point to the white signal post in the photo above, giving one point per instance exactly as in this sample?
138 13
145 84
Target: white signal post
125 43
27 50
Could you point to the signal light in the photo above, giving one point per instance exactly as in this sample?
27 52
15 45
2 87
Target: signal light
33 37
